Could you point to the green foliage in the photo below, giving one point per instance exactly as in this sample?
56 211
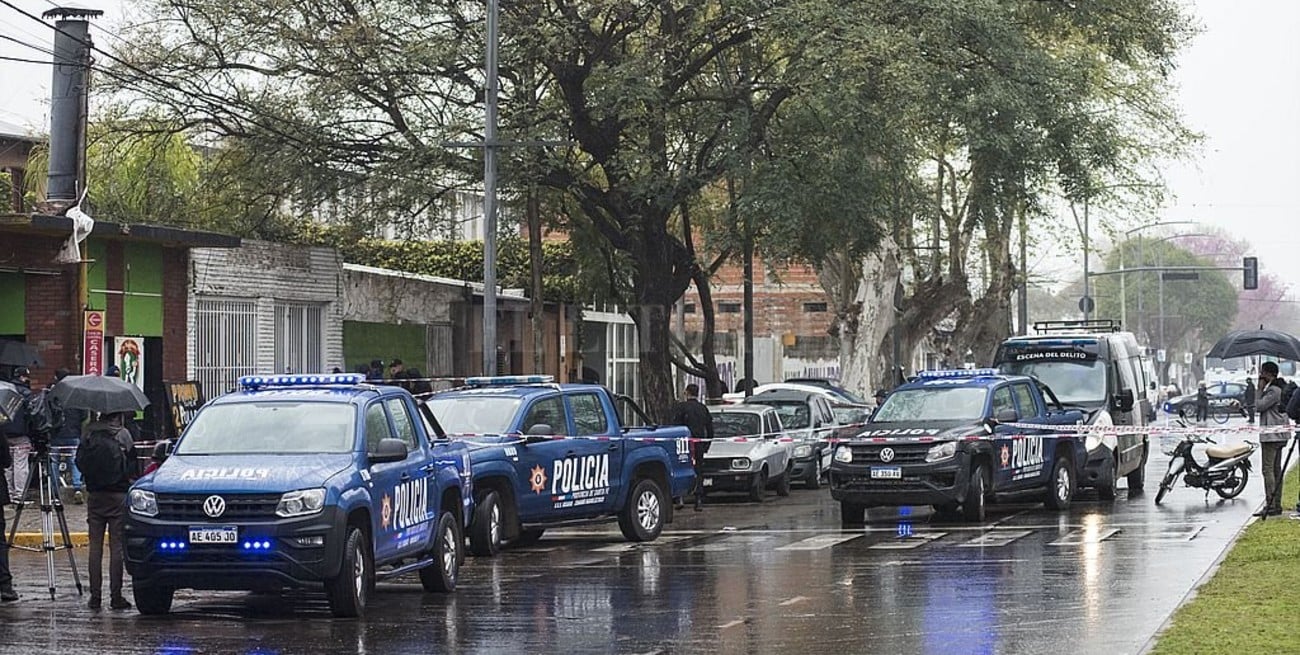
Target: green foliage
457 260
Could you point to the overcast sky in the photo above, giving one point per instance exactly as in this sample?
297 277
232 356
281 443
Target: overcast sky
1239 85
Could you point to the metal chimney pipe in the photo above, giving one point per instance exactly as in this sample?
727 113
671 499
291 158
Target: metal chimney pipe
68 95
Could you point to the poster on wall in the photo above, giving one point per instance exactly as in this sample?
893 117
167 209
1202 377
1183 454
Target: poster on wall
128 355
92 351
183 401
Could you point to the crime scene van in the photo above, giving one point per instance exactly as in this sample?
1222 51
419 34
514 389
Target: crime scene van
317 481
1094 367
546 455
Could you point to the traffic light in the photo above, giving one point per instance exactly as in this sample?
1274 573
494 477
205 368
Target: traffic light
1250 273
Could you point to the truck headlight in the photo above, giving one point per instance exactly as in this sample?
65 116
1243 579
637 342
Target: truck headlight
143 502
1093 442
301 503
802 451
941 451
740 464
844 455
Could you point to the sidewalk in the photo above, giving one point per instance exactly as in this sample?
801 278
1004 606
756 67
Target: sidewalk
29 528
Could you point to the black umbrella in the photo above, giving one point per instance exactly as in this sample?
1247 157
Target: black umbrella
11 401
17 353
1244 343
100 393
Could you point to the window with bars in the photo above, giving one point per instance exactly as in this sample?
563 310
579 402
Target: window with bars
623 359
225 343
299 338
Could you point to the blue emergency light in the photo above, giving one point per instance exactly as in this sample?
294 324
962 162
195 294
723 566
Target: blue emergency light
507 380
171 545
257 545
251 382
960 373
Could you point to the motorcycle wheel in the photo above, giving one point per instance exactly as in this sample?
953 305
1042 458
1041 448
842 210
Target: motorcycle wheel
1175 467
1242 475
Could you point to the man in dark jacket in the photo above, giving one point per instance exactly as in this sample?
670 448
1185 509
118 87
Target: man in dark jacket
7 593
19 441
1248 401
1271 443
692 413
66 440
106 506
1202 403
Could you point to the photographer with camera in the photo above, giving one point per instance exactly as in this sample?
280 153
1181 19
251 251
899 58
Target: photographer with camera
19 440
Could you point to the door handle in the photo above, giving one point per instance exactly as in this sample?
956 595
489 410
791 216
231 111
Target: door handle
613 447
405 476
429 467
570 454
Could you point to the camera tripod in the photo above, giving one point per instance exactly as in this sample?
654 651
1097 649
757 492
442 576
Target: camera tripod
40 476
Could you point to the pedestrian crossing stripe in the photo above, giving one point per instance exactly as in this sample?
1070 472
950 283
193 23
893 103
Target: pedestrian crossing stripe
1082 537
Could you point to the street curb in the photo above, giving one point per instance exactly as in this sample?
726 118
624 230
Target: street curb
1154 639
36 539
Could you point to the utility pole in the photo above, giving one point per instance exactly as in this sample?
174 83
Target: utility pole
490 198
1024 274
1087 254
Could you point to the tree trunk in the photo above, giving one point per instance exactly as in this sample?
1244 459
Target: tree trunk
537 306
712 380
863 365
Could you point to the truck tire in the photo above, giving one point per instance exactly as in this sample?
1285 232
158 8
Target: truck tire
758 486
642 518
485 531
1060 487
852 514
441 576
152 600
814 479
973 508
349 591
1137 478
783 483
1108 485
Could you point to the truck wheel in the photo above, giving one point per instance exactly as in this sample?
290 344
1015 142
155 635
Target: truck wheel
441 575
152 600
852 514
783 483
972 509
642 519
814 479
1137 477
1108 485
1060 489
528 536
485 532
758 486
349 591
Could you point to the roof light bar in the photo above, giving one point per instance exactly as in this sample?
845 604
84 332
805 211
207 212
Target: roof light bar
959 373
507 380
251 382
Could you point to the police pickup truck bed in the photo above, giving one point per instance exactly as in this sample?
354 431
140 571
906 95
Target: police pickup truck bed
546 454
943 440
301 480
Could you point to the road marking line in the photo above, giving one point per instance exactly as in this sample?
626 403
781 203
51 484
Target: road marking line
625 547
730 542
820 542
731 624
996 538
1081 537
793 601
914 540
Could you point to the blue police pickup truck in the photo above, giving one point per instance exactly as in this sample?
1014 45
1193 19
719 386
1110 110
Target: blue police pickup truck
943 440
546 455
300 481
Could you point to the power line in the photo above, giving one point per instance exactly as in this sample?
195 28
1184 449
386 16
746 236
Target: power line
26 61
33 46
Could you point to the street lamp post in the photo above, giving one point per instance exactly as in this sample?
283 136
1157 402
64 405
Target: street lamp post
1160 264
1123 295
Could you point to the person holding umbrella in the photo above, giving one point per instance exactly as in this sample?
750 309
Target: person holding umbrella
109 464
1271 444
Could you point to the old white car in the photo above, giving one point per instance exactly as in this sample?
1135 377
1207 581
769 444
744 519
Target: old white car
750 453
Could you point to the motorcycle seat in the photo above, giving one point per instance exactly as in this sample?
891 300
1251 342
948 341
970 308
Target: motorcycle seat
1227 452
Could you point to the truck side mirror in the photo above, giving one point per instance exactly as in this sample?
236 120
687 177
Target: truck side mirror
161 451
1007 416
389 450
1123 400
539 432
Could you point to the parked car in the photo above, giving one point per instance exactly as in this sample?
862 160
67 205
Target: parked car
852 419
830 394
831 385
944 440
809 421
1222 396
762 461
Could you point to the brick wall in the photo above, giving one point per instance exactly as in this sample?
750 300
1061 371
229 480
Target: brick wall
53 319
785 302
175 313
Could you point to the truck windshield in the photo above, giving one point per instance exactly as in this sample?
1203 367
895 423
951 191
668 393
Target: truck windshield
945 404
271 428
1074 383
736 424
465 414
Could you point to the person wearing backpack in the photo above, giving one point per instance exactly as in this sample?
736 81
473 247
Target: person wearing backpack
19 439
108 464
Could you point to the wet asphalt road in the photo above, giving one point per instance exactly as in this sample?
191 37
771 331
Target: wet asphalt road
737 578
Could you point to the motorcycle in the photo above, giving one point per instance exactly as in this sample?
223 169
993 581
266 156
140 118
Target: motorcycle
1225 472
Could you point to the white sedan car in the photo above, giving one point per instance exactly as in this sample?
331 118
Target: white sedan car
749 454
